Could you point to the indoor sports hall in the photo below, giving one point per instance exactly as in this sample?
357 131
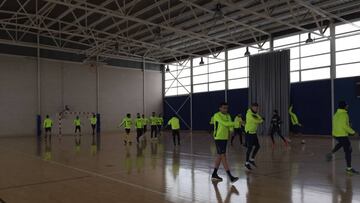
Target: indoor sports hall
157 101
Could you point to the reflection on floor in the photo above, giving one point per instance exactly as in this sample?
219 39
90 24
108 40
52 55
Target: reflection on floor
97 169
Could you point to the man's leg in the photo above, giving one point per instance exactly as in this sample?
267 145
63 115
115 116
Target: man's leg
348 150
178 136
152 131
173 135
256 149
240 135
272 132
227 169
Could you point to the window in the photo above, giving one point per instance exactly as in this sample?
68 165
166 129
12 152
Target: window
348 70
294 76
306 58
315 61
201 88
347 50
238 73
211 75
217 86
177 80
315 74
238 83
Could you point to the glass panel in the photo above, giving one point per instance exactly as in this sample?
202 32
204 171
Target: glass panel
236 53
315 48
349 70
200 70
216 76
346 28
238 63
294 64
217 67
216 86
171 92
184 73
168 76
201 88
348 56
238 83
168 83
200 79
238 73
294 76
348 42
184 81
182 90
316 74
315 61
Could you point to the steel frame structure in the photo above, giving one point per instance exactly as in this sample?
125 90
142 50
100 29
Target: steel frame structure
159 31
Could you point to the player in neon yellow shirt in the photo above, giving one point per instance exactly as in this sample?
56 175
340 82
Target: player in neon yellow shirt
341 130
253 120
127 123
160 123
48 123
77 123
222 127
153 124
238 129
93 123
146 122
175 127
139 125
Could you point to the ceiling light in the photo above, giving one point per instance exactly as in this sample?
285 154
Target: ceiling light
167 68
201 61
309 40
247 53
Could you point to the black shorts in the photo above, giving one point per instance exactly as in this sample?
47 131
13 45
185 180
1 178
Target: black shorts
93 126
47 129
251 140
77 128
175 132
221 146
127 131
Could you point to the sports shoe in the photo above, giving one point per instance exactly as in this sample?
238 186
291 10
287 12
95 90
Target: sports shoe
248 167
215 177
252 163
329 157
352 171
234 179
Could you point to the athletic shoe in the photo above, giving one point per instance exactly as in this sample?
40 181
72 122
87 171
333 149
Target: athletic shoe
248 167
329 157
253 163
234 190
352 171
234 179
215 177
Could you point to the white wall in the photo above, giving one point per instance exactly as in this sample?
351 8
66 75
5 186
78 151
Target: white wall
120 92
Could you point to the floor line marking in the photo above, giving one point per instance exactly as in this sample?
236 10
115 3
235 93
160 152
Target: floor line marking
97 175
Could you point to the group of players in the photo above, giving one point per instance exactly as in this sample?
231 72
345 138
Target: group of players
223 126
140 123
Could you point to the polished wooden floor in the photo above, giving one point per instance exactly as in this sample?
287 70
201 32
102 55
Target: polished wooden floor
102 170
